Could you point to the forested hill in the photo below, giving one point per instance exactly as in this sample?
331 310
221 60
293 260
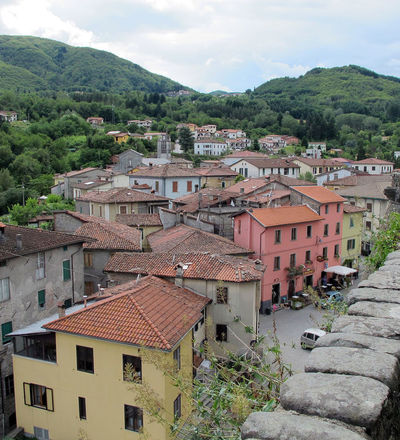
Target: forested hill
352 89
29 64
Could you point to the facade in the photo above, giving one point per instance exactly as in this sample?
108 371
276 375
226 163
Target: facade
374 166
164 147
8 116
144 123
95 121
316 166
217 177
108 353
332 175
128 160
70 179
104 183
118 136
210 147
259 167
37 269
243 154
352 235
238 143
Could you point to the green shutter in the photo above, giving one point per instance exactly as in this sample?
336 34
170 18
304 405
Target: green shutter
66 270
5 329
41 298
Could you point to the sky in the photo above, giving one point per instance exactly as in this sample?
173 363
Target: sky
230 45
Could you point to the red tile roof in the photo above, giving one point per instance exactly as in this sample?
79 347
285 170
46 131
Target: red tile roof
217 171
284 215
152 313
319 193
246 153
318 162
372 161
184 239
139 219
203 266
248 185
121 195
168 170
270 163
269 195
349 209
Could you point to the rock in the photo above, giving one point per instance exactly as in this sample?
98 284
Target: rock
381 345
380 327
376 295
378 310
383 279
286 426
350 399
395 255
355 361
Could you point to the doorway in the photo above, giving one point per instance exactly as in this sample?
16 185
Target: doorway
276 293
291 288
308 281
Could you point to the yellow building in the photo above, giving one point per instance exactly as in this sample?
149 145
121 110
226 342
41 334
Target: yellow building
217 177
119 136
352 235
71 374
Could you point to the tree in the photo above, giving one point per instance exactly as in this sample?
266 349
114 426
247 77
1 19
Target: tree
256 145
186 139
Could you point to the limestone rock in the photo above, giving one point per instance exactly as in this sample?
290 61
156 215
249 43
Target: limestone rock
383 279
376 295
377 310
380 327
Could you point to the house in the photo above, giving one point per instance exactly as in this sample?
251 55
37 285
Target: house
230 133
8 116
95 121
210 147
118 136
145 223
286 240
38 268
232 284
352 235
127 160
237 155
164 146
259 167
321 146
373 166
107 238
86 380
275 142
150 135
107 204
142 123
217 177
332 175
238 143
190 126
316 166
211 128
169 180
113 179
184 239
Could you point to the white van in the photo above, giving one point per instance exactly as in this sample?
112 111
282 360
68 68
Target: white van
310 337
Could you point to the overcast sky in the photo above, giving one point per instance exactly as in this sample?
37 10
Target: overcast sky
231 45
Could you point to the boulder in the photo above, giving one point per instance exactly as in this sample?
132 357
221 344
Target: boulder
380 327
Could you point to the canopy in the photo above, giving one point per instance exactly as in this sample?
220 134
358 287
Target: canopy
340 270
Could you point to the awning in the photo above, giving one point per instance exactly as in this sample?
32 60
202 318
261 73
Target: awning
340 270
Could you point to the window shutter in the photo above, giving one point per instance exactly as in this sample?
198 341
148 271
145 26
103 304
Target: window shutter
66 270
49 399
5 329
27 394
41 298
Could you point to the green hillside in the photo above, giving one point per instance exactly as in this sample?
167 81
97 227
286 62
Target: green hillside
34 64
350 88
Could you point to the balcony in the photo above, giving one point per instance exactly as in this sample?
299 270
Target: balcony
42 347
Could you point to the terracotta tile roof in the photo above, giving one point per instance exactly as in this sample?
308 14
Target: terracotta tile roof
342 160
139 219
212 197
246 153
367 188
343 181
270 163
217 171
205 194
151 313
141 186
359 179
203 266
33 240
350 209
319 193
90 184
284 215
77 172
248 185
267 196
121 195
167 170
289 181
317 162
372 161
183 239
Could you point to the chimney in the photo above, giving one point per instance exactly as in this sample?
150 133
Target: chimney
179 275
19 241
85 301
150 165
61 309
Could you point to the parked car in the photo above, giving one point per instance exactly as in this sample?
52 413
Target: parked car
330 298
310 337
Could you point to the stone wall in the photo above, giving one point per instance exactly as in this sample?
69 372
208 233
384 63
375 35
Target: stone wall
350 387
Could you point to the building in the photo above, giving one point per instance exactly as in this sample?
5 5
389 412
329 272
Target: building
339 173
217 177
238 143
8 116
118 136
142 123
107 204
127 160
242 154
230 133
232 284
275 142
169 180
150 135
373 166
86 380
107 238
145 223
352 235
259 167
321 146
210 147
164 147
37 269
95 121
316 166
104 183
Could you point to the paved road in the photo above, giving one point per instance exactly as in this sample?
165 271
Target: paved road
290 325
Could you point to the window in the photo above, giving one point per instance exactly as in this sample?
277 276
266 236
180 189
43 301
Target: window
239 226
368 226
369 207
157 186
9 385
292 260
338 207
286 171
41 298
123 209
100 211
131 368
221 332
5 329
66 270
189 186
68 303
88 259
351 222
308 256
65 248
84 359
326 209
293 234
337 231
41 433
309 231
326 230
336 251
133 418
278 236
38 396
178 408
82 408
351 244
277 263
325 253
222 295
177 358
175 186
40 266
4 289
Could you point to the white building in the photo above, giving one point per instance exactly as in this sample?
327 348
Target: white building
374 166
146 123
210 147
264 167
